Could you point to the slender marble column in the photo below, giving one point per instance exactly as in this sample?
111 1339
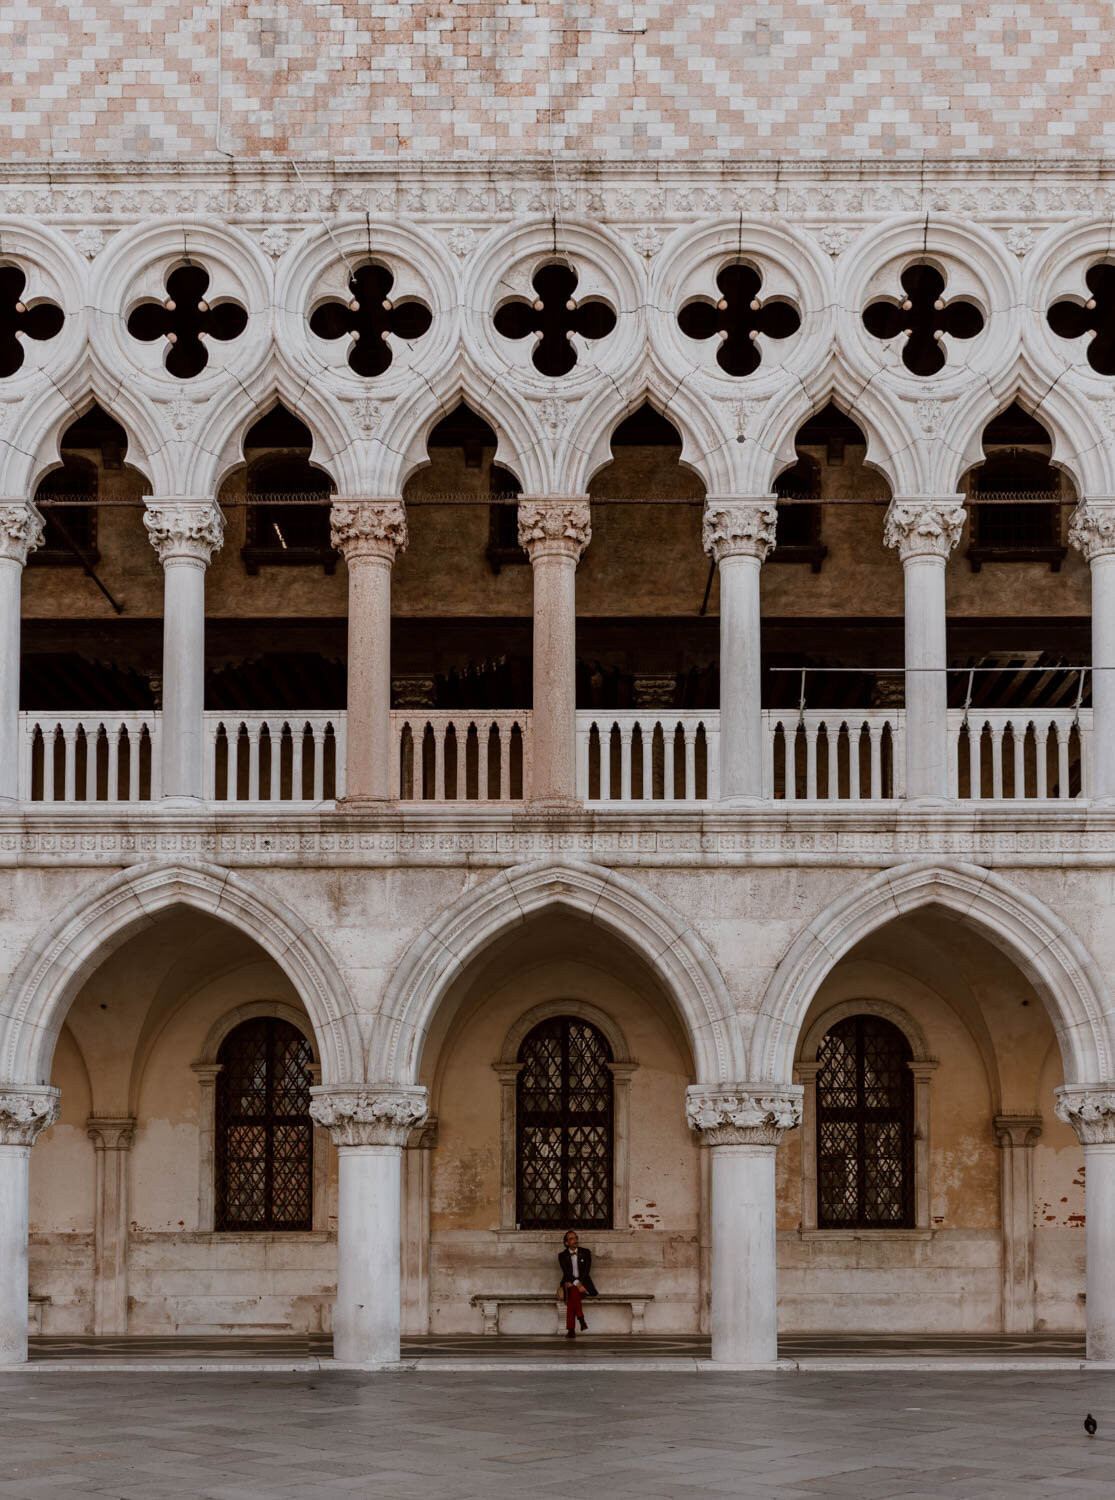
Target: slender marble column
112 1142
554 533
370 534
1092 530
1090 1110
925 530
24 1112
1016 1135
21 532
739 535
370 1128
185 534
743 1125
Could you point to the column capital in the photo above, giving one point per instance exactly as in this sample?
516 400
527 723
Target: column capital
743 1114
739 528
111 1132
21 530
1092 527
1090 1109
25 1110
924 525
373 528
370 1116
1017 1130
184 530
555 526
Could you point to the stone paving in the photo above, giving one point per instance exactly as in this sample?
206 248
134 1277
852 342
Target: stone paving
411 1436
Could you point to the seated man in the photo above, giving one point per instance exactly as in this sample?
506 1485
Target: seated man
576 1282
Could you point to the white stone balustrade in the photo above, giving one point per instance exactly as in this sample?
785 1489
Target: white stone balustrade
644 756
1027 754
88 757
459 756
275 757
845 755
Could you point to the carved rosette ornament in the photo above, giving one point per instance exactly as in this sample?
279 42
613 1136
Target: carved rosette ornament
739 528
368 528
923 528
185 530
21 531
744 1115
1090 1111
554 528
25 1111
1092 528
369 1117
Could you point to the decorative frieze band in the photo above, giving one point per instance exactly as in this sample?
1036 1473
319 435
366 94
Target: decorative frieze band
739 528
1090 1110
368 528
561 527
25 1112
369 1117
743 1115
923 528
21 531
185 530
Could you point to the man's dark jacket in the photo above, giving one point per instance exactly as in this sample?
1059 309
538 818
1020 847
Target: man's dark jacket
584 1262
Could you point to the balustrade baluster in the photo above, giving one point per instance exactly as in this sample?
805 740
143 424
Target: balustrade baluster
691 764
975 760
605 738
1041 761
439 762
646 739
811 732
1063 732
48 765
297 748
92 747
1019 740
319 762
275 741
69 742
854 788
997 762
625 736
668 762
112 787
460 789
875 736
505 734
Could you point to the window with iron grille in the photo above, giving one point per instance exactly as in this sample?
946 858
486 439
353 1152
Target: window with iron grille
865 1127
265 1156
564 1125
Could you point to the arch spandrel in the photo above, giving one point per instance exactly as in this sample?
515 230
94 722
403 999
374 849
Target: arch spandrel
98 922
446 949
1027 932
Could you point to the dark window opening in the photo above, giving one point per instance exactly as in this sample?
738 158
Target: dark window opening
865 1127
564 1114
67 498
281 531
264 1155
1023 524
503 521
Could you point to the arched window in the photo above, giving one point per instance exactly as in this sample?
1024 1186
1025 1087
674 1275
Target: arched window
565 1137
264 1155
865 1127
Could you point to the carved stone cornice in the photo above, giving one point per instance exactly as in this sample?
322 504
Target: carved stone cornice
739 528
185 530
21 531
1090 1110
25 1111
924 528
368 528
560 527
1092 528
1017 1130
369 1116
111 1132
744 1115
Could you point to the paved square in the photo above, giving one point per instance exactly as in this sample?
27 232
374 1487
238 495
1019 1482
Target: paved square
410 1436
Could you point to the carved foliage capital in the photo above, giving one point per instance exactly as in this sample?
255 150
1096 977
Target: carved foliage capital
116 1133
554 526
1090 1111
185 530
368 528
369 1117
1092 529
923 528
24 1112
739 528
21 531
743 1115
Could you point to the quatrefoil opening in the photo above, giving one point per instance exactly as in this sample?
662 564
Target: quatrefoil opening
737 318
42 321
368 318
923 316
185 319
553 318
1069 318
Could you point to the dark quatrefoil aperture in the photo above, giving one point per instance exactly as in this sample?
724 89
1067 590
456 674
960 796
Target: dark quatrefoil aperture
556 315
1070 318
368 317
42 321
923 316
185 319
737 318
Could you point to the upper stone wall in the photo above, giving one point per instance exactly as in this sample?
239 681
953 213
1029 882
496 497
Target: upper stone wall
184 79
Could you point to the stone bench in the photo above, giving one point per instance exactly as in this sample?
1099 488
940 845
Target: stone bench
35 1307
490 1304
